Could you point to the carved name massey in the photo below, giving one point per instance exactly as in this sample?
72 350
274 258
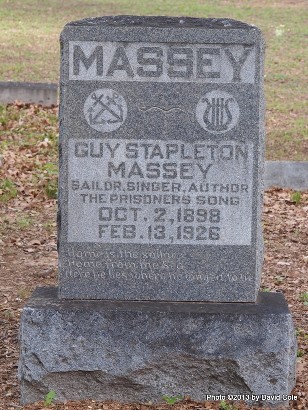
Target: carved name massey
132 191
112 61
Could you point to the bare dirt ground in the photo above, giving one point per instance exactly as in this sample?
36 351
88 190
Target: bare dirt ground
28 259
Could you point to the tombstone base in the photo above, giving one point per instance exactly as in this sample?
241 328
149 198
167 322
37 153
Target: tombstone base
139 351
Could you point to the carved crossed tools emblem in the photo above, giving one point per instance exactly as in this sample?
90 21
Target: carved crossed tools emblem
217 112
105 110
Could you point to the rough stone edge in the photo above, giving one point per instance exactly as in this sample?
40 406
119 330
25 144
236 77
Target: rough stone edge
282 174
41 296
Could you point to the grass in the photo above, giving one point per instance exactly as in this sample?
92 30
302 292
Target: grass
8 190
49 398
226 406
24 293
23 222
172 399
296 197
304 298
30 29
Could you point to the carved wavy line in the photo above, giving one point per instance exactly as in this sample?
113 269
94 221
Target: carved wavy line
166 110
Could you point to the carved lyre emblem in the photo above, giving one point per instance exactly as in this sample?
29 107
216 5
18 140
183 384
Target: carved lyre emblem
217 112
217 115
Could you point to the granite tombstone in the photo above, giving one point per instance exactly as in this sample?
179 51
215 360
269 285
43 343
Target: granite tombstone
160 192
161 137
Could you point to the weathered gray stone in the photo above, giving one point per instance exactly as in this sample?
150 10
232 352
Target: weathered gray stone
37 93
161 142
139 351
286 174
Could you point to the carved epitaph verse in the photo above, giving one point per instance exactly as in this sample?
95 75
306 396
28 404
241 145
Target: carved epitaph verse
162 140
